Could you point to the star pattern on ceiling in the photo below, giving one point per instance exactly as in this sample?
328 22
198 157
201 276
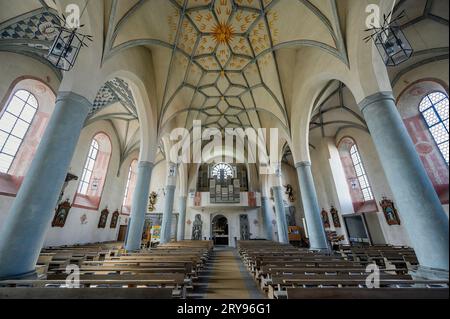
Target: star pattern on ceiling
224 39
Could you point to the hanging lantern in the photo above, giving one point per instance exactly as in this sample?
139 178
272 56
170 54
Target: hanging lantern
65 49
393 46
391 42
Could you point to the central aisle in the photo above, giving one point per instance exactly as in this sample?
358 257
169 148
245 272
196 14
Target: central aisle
228 278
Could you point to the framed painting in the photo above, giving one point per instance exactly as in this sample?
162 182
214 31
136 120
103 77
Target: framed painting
114 219
325 219
335 217
61 214
103 218
390 212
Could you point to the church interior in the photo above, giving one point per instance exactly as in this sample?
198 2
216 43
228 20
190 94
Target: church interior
344 196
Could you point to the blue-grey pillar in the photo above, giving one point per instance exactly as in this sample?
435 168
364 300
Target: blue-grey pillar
283 235
139 206
182 218
29 218
316 231
166 224
267 217
418 204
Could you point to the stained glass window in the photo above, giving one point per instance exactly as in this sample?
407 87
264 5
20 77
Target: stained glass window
14 125
435 111
361 174
88 168
224 169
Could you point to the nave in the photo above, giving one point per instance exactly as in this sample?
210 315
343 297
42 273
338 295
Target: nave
208 149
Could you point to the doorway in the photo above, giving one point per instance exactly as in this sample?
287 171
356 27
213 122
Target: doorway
122 233
357 230
220 234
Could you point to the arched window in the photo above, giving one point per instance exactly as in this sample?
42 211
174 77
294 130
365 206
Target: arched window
435 111
222 170
130 186
88 168
94 173
361 173
14 124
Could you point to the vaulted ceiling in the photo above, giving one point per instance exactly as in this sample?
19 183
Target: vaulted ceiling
222 61
216 61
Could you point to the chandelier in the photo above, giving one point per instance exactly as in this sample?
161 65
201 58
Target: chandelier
390 41
67 46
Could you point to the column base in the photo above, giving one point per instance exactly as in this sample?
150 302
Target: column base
426 273
320 250
26 276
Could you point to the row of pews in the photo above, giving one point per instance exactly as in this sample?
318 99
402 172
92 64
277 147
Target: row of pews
283 271
168 271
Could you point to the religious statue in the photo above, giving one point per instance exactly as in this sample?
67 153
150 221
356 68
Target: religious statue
197 228
245 232
69 178
152 201
61 214
290 192
325 219
390 212
114 219
335 217
103 218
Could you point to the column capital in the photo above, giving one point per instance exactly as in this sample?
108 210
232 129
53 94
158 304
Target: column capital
303 164
170 187
376 98
81 101
145 164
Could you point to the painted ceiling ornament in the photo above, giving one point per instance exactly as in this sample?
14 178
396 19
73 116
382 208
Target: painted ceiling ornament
223 33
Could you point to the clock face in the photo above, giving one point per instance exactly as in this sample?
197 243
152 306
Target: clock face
222 169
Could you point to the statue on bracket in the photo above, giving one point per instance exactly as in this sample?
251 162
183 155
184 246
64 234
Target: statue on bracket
325 219
197 228
103 218
61 214
390 212
245 231
114 219
290 192
152 201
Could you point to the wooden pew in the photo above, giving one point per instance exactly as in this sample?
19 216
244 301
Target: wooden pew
358 293
85 293
176 282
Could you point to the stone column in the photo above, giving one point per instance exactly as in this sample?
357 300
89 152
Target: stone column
317 236
283 235
182 218
166 225
29 218
418 204
139 206
267 217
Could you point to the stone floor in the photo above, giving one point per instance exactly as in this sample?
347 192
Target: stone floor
226 277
